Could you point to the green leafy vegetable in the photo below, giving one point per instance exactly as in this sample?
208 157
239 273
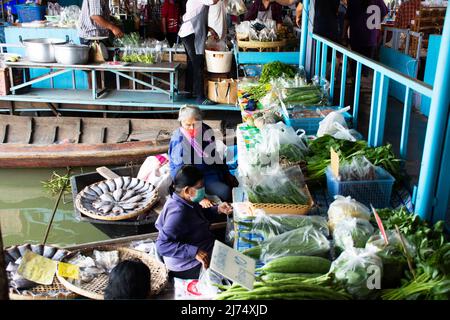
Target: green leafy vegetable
275 70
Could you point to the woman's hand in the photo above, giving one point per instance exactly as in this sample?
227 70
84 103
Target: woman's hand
206 203
225 208
202 256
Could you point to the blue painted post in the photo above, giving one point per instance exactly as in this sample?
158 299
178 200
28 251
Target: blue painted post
357 91
343 81
304 34
405 124
373 110
381 111
323 67
432 150
333 74
443 189
317 60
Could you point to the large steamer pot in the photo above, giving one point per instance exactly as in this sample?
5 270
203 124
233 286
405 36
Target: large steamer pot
72 53
42 49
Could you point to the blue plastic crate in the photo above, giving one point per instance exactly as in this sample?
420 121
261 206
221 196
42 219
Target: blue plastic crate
311 125
376 192
29 13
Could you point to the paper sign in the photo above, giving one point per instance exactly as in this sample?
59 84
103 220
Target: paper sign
37 268
233 265
68 270
380 225
334 162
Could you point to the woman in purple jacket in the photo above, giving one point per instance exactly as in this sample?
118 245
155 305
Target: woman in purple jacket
184 239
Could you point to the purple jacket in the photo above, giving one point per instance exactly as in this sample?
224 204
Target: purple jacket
183 229
252 13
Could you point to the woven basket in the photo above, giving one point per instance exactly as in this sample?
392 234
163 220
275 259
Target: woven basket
275 208
261 44
95 289
90 213
41 292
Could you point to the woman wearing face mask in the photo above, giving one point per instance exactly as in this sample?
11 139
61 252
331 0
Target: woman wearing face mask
194 143
184 239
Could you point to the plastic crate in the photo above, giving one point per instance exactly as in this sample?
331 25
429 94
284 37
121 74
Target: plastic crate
29 13
376 192
311 125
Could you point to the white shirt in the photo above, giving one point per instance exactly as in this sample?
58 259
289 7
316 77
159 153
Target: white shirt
217 18
193 8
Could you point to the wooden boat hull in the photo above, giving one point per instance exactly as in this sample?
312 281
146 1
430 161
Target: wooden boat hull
39 142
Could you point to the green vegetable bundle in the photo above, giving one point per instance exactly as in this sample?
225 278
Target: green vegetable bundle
257 92
291 152
352 232
319 157
297 288
274 70
285 193
273 225
303 96
306 241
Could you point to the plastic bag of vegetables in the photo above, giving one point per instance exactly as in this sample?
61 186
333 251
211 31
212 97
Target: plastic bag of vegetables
359 168
359 270
269 226
306 241
344 207
352 232
283 186
327 127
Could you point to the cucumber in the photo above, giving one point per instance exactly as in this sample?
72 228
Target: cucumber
254 252
298 264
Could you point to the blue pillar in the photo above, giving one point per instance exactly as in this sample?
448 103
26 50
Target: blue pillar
437 121
304 35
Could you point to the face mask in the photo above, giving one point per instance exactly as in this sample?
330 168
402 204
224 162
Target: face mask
199 195
192 132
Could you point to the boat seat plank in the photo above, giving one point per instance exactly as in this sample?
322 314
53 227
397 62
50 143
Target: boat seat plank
19 129
93 131
4 132
49 130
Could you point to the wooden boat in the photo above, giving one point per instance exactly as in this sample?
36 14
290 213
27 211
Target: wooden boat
71 141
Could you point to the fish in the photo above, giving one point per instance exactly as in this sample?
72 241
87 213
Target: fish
13 252
117 210
107 197
126 182
140 185
88 274
128 194
23 248
117 194
90 192
60 254
37 248
111 185
98 204
106 208
22 283
106 259
134 182
119 182
49 252
134 199
12 267
8 258
129 206
104 187
89 196
82 261
97 190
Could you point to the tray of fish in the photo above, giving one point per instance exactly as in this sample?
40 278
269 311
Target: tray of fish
23 289
95 264
117 199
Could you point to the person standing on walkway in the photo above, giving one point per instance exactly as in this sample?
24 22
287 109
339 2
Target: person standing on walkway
170 20
193 34
406 12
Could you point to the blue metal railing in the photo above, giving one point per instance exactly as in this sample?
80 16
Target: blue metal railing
433 189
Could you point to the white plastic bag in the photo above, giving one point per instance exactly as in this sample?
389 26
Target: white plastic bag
352 232
236 7
354 267
156 170
344 207
208 281
327 125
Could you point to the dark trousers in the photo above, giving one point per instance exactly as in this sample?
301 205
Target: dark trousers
171 38
367 51
196 64
193 273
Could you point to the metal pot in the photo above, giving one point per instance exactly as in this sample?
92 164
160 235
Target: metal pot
72 53
42 49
